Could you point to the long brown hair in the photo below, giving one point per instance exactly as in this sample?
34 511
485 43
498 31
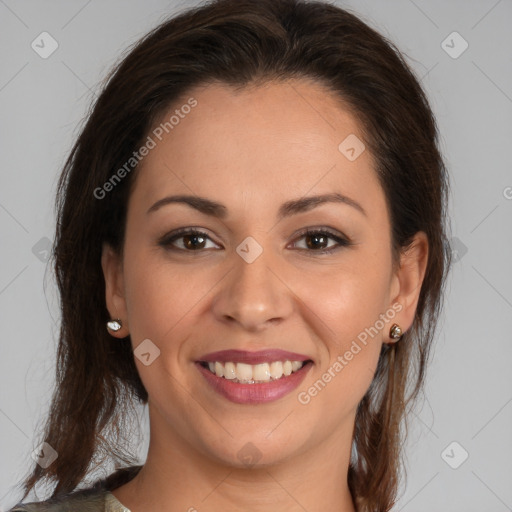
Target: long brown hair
239 42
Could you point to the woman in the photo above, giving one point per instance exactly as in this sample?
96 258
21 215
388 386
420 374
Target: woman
251 239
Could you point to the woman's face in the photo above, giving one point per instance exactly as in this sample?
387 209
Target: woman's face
252 280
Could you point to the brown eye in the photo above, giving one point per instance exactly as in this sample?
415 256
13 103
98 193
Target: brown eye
194 241
318 241
185 240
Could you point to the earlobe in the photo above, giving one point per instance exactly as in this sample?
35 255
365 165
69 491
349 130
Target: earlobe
114 291
410 275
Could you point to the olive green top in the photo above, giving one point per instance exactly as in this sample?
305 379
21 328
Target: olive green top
98 501
96 498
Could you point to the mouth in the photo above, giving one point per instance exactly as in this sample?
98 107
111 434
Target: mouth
253 377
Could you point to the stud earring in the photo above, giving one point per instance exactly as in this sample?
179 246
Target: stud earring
114 325
395 332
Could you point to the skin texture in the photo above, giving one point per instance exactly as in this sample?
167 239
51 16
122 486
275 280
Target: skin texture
252 150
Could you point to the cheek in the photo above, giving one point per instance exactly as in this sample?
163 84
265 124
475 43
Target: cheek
164 298
162 301
345 304
345 298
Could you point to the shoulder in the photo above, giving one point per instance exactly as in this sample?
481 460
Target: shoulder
92 501
96 498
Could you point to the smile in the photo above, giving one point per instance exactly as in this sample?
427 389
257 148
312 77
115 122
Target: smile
252 384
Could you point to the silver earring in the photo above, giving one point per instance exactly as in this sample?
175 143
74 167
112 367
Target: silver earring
395 332
114 325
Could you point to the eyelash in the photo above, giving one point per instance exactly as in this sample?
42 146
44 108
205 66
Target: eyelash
168 239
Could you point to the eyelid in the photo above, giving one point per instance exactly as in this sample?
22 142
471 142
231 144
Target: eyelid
321 229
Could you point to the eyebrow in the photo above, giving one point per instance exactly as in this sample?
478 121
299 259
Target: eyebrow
287 209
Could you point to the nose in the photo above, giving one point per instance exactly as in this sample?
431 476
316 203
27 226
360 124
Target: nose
254 295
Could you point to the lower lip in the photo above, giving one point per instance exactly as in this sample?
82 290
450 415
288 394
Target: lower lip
255 393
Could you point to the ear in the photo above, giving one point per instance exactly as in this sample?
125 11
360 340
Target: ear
111 263
407 281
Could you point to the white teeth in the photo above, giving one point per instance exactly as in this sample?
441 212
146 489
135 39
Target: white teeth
296 365
249 374
243 371
260 372
229 370
276 369
219 369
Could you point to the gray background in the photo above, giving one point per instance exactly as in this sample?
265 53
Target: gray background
469 389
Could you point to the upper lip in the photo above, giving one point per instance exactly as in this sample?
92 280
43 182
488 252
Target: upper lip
262 356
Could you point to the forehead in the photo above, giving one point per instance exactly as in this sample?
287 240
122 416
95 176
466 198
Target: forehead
266 142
